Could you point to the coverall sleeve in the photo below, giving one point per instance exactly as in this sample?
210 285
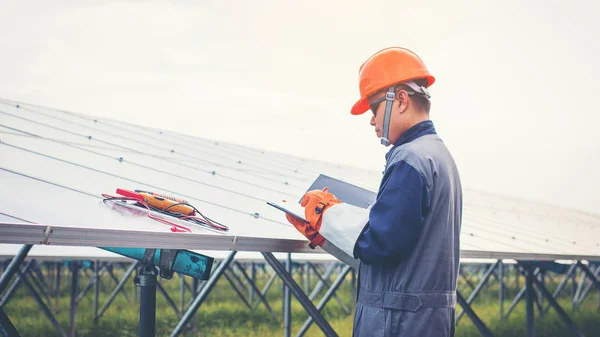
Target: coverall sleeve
396 218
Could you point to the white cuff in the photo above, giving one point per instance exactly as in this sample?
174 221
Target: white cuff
342 224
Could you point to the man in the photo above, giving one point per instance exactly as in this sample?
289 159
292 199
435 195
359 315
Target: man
408 242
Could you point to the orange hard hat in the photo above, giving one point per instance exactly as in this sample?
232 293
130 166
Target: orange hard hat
385 68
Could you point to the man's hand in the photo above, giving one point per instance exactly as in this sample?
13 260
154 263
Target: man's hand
307 230
315 203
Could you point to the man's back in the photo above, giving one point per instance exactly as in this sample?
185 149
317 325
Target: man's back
417 296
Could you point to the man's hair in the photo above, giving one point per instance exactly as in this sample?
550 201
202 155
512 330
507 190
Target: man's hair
421 101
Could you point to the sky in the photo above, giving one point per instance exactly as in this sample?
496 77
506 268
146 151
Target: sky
514 98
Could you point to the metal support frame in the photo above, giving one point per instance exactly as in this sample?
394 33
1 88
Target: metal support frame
477 289
323 281
562 284
586 270
541 289
589 286
229 279
42 305
209 285
170 301
287 301
110 271
266 288
299 294
7 329
254 288
96 290
531 280
146 281
75 267
120 285
530 297
15 284
485 332
330 293
501 287
13 266
563 315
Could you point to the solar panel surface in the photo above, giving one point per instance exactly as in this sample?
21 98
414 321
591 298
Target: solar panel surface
54 166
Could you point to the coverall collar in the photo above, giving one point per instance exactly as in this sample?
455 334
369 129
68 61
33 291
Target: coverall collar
420 129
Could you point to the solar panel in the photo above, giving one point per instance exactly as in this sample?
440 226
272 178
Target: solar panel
55 165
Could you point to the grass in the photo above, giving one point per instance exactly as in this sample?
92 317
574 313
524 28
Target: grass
224 314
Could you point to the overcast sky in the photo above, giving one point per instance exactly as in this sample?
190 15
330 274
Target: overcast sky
515 98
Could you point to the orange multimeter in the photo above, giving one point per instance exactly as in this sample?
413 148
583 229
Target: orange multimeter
159 201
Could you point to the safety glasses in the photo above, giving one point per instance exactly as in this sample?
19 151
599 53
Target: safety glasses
374 104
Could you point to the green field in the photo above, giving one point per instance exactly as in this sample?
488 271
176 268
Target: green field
224 314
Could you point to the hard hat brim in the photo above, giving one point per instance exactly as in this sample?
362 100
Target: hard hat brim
360 107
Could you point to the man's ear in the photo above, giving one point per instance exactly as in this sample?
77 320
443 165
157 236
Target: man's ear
402 99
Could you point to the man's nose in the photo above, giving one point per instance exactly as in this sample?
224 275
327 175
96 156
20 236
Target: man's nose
373 121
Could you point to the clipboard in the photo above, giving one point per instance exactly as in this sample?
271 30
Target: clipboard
346 192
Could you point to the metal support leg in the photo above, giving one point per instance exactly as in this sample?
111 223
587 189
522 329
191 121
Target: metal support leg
322 279
40 276
485 332
299 294
562 284
334 287
573 287
263 293
307 276
118 288
530 298
182 292
563 315
586 270
515 301
579 288
235 287
96 290
13 267
15 284
542 279
480 286
168 298
323 282
43 305
58 272
255 289
466 278
146 280
74 285
501 287
253 281
38 283
589 286
7 329
287 298
112 275
203 294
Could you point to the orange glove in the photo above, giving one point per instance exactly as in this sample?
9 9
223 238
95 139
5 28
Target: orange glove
315 203
308 231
